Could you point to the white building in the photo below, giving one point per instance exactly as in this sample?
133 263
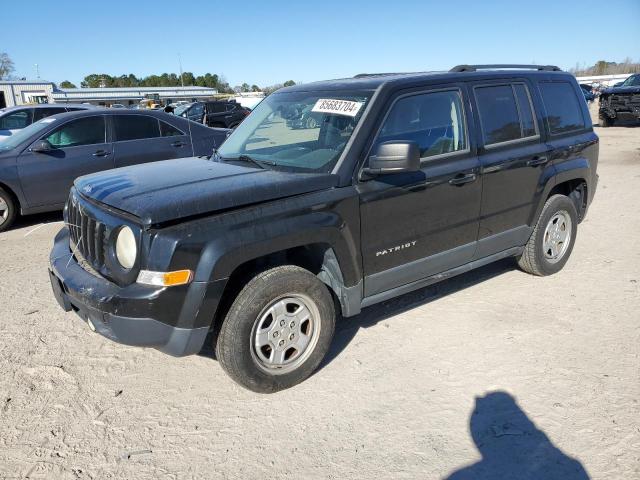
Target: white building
131 95
20 92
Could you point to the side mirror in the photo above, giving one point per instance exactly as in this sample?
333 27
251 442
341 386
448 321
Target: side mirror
394 157
41 146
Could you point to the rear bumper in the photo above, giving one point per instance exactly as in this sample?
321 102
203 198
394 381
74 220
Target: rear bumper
123 314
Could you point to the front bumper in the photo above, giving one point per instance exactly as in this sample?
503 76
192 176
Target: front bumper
130 315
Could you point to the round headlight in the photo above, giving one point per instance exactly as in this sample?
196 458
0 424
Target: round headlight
126 249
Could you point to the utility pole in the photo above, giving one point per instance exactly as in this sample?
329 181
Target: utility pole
181 75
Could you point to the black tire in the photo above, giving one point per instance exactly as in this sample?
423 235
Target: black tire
234 346
7 214
606 122
311 122
533 259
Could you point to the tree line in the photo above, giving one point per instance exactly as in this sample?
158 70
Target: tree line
602 67
188 79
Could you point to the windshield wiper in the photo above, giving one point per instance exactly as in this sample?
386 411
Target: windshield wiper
261 163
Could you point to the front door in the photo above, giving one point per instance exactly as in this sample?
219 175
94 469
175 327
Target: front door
418 224
79 146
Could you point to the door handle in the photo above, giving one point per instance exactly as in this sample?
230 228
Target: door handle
463 179
178 144
538 160
101 153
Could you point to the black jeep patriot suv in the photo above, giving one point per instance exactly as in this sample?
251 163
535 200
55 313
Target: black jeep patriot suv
409 179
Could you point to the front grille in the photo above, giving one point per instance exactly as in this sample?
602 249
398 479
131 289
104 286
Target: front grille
87 235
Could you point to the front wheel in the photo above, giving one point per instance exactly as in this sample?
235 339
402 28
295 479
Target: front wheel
277 331
552 239
8 210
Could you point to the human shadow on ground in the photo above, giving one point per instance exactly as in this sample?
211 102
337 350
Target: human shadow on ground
512 447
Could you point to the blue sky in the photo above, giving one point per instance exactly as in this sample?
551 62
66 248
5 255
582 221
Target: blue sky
267 42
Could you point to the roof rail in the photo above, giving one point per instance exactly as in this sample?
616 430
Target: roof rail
365 75
473 68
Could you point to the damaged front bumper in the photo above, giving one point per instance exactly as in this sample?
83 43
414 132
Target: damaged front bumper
130 315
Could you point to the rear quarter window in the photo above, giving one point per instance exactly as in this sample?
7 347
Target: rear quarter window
564 112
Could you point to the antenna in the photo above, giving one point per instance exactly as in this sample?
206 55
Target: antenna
193 153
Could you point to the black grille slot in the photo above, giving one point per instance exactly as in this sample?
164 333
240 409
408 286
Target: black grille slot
86 235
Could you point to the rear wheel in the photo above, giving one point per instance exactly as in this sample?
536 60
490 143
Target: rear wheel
606 122
277 330
7 210
311 122
552 239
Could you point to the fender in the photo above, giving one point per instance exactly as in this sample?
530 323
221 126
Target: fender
221 243
9 180
574 169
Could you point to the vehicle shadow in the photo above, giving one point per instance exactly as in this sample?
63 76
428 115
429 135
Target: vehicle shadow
37 219
347 328
512 447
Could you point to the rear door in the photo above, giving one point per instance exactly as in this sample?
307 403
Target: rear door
514 162
143 138
80 147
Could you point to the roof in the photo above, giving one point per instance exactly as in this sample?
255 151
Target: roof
375 80
37 106
25 82
134 89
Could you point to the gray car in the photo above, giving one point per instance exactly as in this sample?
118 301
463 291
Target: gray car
14 119
39 163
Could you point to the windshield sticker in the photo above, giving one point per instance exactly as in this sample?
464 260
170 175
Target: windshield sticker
337 107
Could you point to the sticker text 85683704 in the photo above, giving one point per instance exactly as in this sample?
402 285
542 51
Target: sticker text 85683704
337 107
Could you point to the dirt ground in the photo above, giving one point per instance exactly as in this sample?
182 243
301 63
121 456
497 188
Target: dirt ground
494 374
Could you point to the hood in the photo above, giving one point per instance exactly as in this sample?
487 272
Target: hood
619 90
173 189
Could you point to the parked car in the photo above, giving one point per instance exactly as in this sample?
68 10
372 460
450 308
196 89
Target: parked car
304 118
589 96
622 101
13 119
218 114
39 163
410 179
117 105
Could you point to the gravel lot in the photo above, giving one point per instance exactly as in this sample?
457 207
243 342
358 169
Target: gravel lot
485 375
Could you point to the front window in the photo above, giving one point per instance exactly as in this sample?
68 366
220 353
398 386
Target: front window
181 109
83 131
297 131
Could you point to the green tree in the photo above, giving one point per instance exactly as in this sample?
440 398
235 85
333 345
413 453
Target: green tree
289 83
255 88
67 84
6 66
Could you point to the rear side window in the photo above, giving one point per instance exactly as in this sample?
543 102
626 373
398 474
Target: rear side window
563 110
40 113
16 120
167 130
135 127
505 113
83 131
435 121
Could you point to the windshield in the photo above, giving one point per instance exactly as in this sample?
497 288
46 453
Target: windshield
297 131
632 81
21 135
181 109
